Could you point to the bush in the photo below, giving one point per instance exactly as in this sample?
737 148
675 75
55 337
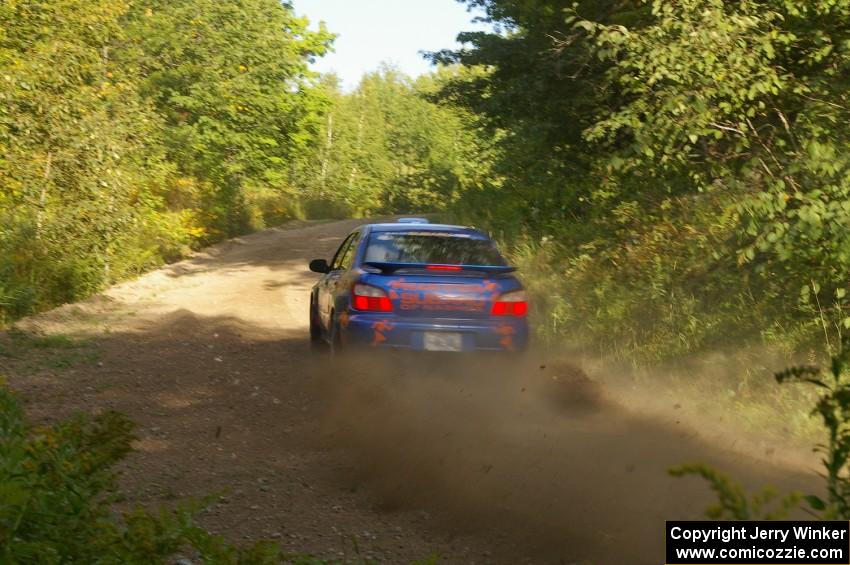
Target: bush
268 207
326 209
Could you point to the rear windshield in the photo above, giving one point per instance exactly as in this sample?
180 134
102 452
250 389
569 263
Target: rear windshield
444 248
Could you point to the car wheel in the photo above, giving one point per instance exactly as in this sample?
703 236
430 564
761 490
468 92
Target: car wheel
316 340
335 340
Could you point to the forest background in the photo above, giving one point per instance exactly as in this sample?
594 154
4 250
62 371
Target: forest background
671 176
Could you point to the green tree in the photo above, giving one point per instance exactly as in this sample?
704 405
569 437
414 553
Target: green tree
75 163
746 98
386 148
133 131
682 161
231 81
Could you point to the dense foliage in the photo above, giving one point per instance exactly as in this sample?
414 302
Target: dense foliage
132 131
230 81
671 174
385 148
678 167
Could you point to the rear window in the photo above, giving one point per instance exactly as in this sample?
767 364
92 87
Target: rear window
445 248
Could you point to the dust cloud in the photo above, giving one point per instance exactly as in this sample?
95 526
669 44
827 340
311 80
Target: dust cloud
531 450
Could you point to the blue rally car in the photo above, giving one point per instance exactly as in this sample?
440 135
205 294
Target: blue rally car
419 286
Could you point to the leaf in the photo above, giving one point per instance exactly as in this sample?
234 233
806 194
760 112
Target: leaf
815 502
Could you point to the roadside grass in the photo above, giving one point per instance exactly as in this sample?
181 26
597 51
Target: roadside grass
738 402
715 359
718 397
53 351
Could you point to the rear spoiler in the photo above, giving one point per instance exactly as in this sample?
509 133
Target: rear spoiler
390 268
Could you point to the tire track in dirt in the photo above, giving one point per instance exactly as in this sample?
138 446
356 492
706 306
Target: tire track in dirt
472 460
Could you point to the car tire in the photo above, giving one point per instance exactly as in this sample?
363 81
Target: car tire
317 337
317 341
335 340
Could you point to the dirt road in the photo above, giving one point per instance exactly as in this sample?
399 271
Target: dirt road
392 461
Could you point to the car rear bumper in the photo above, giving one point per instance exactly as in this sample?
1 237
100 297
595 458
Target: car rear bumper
389 331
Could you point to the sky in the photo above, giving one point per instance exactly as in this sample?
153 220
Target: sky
394 31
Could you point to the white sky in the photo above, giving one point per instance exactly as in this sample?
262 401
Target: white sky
395 31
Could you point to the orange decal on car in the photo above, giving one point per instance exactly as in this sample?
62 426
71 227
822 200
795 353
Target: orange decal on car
380 327
507 332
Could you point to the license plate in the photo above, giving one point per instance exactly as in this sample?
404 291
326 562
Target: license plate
443 341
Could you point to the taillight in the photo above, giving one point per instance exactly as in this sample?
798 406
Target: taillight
443 267
511 304
370 299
